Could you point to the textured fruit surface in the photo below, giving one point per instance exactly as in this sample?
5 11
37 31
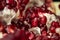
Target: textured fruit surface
28 20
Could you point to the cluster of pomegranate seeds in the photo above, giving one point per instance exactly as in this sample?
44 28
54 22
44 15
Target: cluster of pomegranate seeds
32 25
2 4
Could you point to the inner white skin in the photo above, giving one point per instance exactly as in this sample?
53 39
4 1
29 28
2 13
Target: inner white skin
8 15
57 30
36 31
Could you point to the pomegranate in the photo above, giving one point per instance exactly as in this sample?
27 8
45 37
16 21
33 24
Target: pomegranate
31 36
55 36
43 20
55 24
44 33
32 12
11 4
52 29
25 1
23 35
2 4
11 28
33 15
34 22
1 27
22 4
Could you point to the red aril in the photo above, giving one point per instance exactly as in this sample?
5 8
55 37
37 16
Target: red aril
34 22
